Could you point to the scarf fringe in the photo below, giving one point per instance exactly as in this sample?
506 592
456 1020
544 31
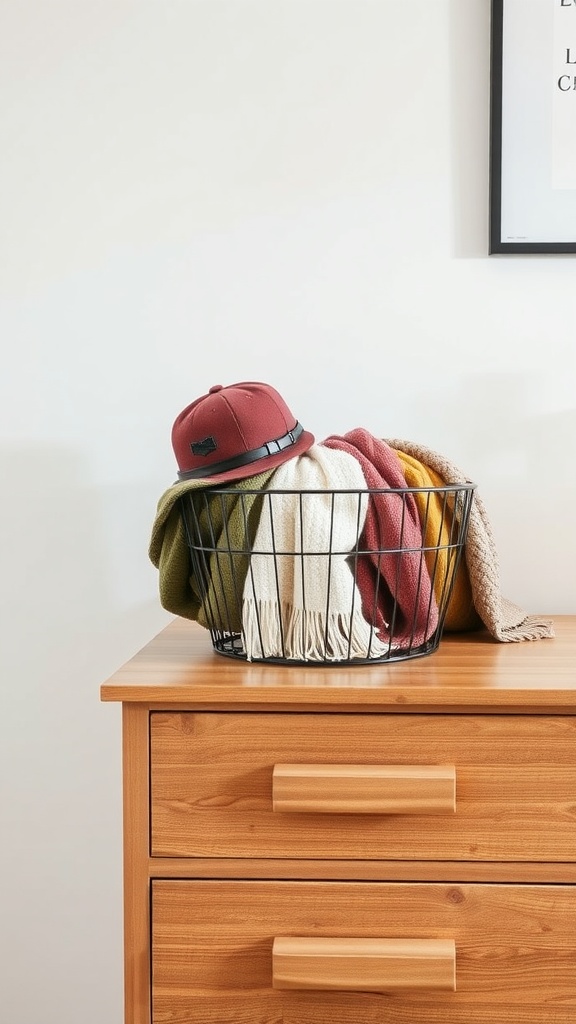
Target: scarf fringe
531 628
273 631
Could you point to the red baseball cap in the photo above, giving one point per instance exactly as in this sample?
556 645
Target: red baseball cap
234 432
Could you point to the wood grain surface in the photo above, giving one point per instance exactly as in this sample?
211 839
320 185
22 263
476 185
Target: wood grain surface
467 671
212 786
213 942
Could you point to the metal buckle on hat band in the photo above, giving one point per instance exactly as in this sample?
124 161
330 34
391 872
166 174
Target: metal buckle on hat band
273 447
282 442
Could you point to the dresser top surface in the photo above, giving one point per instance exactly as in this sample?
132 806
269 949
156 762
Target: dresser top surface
468 672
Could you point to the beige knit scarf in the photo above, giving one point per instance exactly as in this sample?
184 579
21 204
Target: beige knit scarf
503 619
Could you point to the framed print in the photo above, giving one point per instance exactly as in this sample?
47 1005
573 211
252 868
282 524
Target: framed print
533 126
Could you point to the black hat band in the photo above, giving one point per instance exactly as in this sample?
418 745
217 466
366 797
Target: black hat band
268 448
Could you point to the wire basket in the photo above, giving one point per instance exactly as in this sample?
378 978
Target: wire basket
326 577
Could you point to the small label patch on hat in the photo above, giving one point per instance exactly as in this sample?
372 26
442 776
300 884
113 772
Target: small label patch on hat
204 447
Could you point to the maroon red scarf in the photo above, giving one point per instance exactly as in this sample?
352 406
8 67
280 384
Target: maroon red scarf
390 569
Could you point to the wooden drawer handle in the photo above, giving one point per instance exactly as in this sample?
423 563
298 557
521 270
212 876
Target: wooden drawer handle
364 789
364 965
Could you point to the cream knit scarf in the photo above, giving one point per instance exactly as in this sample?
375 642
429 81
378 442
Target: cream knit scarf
503 619
308 607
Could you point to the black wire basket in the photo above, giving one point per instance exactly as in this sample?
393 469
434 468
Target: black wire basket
334 577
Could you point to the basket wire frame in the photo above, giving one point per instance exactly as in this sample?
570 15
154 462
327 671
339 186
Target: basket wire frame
224 569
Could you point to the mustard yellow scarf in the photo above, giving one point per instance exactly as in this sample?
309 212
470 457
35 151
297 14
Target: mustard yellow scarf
437 516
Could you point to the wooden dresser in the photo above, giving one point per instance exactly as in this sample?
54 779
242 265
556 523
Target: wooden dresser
386 844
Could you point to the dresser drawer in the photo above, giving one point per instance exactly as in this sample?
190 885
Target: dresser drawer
213 959
213 778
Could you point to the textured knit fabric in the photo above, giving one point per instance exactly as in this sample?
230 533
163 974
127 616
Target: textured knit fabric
436 516
300 599
503 619
225 521
391 573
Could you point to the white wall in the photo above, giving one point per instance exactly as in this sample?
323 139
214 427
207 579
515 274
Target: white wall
204 191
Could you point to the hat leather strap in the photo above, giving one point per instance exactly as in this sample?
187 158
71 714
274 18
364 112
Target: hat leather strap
269 448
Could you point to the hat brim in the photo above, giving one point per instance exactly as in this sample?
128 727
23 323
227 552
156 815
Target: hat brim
304 442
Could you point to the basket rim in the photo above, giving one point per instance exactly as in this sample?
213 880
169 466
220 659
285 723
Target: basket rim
444 489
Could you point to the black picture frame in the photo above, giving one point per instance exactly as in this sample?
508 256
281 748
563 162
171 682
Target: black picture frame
532 150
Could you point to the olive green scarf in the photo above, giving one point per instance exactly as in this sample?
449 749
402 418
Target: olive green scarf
226 521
